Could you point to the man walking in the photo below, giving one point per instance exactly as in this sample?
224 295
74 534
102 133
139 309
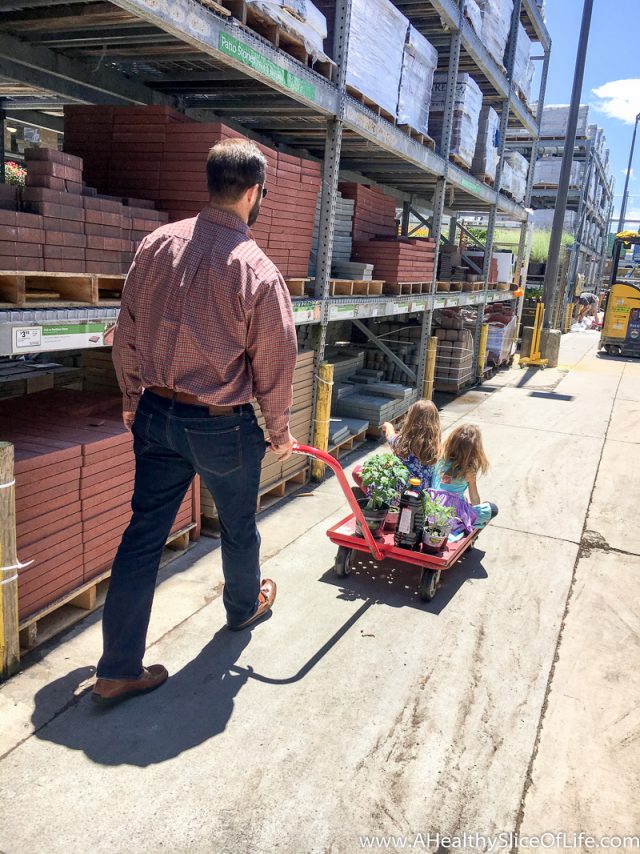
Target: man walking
205 325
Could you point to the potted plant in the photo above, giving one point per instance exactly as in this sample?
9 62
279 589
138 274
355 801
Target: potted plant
438 523
391 522
384 477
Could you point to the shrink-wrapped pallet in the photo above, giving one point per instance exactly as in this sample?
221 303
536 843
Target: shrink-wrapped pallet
496 23
547 173
523 69
555 118
506 178
485 161
473 14
419 63
520 169
376 48
300 18
466 115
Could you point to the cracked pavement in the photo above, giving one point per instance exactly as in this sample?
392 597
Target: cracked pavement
511 703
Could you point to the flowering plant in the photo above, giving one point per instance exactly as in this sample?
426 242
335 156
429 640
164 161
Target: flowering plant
14 174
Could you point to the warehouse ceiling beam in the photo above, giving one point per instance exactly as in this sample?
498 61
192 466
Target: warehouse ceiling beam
70 78
47 104
37 119
213 76
397 361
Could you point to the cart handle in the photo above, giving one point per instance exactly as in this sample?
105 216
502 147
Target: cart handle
337 469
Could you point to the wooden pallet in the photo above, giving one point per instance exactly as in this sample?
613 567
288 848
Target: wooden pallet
74 606
459 162
371 105
19 288
296 286
422 138
348 445
486 179
276 35
355 287
407 288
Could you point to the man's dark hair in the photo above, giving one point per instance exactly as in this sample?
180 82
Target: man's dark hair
233 166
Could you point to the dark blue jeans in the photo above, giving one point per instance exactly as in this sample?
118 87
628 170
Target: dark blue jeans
173 441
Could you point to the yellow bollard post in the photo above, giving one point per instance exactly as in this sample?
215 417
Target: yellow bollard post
430 368
482 350
9 638
534 357
568 317
322 417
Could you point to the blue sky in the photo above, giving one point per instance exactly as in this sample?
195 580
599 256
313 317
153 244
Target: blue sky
613 68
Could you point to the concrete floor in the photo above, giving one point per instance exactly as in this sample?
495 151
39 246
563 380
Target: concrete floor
508 704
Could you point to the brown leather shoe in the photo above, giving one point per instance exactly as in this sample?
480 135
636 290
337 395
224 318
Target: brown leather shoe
108 692
266 598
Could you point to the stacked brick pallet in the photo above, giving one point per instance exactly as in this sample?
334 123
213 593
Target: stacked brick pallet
162 154
395 260
374 213
74 472
400 260
65 228
274 473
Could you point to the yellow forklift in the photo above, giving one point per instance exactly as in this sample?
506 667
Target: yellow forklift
621 327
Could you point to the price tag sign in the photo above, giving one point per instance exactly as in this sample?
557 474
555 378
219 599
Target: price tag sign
342 312
306 312
27 337
401 307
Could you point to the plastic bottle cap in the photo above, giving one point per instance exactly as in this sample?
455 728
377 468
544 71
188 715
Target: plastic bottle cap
414 481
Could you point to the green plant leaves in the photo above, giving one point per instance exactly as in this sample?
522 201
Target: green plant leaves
385 476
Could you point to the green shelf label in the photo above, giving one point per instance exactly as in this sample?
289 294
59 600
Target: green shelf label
248 56
73 329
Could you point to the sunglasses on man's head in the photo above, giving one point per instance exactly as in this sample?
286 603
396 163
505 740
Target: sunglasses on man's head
264 192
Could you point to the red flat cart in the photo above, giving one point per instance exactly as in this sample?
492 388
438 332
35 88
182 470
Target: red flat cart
350 543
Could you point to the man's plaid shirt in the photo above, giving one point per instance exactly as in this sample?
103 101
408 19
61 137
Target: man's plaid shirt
204 311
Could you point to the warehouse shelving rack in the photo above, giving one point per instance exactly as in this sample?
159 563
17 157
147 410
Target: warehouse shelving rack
196 57
588 254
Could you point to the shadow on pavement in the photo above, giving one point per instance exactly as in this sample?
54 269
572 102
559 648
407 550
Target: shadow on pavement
193 706
396 584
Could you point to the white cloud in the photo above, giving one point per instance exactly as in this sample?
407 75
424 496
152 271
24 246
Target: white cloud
619 99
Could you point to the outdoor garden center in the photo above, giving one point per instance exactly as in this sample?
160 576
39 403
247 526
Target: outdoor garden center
319 426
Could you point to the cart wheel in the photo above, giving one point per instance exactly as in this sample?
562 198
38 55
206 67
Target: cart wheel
344 562
428 584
